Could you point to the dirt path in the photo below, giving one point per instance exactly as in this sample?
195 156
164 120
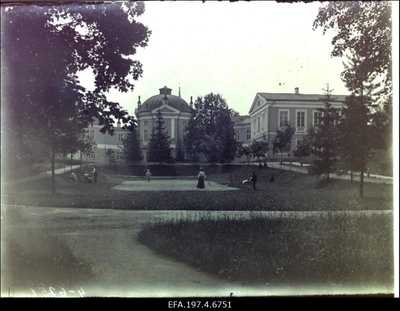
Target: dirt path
107 240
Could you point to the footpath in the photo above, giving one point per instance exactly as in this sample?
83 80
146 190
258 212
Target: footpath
296 167
41 175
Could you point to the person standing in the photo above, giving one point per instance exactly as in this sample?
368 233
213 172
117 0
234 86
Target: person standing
148 175
94 172
201 178
254 180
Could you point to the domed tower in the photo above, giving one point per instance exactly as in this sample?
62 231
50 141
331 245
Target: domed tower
175 111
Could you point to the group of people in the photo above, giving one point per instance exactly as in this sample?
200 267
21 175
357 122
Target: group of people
253 180
88 177
200 178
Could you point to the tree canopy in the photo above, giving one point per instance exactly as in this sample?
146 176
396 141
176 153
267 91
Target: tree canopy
282 140
44 46
210 130
364 28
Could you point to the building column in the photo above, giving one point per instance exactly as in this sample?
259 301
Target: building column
173 129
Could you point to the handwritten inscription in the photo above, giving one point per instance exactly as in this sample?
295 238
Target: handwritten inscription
52 292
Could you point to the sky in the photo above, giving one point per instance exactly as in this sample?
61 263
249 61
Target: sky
233 49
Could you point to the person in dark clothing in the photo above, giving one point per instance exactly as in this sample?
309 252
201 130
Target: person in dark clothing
260 166
254 180
201 177
271 179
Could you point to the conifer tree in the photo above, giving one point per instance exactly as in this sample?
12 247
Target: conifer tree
132 151
159 144
180 155
325 142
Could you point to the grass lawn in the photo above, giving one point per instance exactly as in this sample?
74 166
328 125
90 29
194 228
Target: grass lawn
290 191
329 250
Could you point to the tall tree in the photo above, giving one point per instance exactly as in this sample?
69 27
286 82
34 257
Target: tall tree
210 130
362 105
354 140
364 27
131 148
325 138
282 140
159 144
43 48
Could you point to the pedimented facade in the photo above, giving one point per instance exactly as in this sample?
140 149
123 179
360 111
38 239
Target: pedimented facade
175 111
270 111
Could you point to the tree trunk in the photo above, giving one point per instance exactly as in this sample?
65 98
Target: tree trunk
53 173
362 144
362 183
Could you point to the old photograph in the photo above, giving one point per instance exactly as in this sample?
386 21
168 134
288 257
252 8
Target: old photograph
199 149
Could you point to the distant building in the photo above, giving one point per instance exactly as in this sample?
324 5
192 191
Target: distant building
270 111
108 148
175 111
242 128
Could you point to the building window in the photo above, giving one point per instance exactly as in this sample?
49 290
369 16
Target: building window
120 137
258 103
238 135
258 124
300 120
119 155
145 135
248 134
92 156
317 118
283 118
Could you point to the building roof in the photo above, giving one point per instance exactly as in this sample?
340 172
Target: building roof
295 97
240 119
165 97
299 97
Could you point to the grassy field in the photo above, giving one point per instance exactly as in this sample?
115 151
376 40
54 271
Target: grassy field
331 250
290 191
328 249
